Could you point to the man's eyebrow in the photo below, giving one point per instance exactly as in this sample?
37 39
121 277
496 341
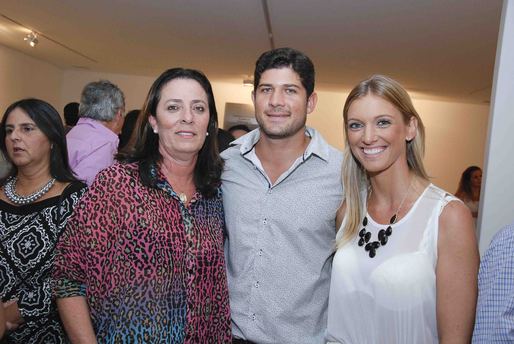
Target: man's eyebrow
283 85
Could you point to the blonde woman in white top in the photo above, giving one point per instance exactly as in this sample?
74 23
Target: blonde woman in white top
406 265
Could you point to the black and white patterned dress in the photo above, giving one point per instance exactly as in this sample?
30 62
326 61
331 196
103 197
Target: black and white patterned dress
28 236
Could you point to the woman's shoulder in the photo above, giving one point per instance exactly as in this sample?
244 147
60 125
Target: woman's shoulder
115 184
502 242
455 220
75 187
438 194
447 206
118 172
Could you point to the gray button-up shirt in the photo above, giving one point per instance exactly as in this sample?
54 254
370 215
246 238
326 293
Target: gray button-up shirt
280 238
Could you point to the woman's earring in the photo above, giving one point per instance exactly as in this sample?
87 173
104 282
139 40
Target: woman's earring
207 134
155 130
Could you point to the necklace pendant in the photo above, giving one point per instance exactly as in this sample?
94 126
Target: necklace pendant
183 197
371 247
383 234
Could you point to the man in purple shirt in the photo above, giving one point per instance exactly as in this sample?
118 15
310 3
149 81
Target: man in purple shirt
93 142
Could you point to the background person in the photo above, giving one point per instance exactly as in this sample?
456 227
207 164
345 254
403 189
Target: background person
71 115
93 142
224 139
142 258
36 201
469 189
406 265
238 130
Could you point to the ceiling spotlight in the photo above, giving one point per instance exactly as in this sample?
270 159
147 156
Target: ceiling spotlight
31 38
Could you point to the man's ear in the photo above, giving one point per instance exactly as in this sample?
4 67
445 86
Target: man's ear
311 102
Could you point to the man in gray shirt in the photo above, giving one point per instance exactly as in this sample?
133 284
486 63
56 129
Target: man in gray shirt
281 190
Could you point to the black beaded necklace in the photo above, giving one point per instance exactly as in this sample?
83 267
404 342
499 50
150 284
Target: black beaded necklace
383 234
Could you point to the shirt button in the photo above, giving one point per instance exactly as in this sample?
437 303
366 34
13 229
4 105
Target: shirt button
259 253
265 221
252 317
256 284
269 191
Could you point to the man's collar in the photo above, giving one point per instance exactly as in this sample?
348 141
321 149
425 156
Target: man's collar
317 145
99 125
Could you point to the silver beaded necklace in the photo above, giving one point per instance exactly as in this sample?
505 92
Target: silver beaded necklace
10 192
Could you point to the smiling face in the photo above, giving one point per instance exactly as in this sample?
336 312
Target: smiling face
281 103
26 144
182 118
377 134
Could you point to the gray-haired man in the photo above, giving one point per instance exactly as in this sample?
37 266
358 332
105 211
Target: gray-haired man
93 142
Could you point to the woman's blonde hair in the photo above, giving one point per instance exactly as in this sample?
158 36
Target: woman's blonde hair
355 179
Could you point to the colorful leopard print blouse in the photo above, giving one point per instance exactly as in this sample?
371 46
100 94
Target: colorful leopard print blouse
151 268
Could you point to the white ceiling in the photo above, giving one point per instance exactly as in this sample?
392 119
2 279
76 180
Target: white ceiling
440 48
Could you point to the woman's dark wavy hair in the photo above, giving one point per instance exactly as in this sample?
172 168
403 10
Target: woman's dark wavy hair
127 130
465 181
47 119
145 151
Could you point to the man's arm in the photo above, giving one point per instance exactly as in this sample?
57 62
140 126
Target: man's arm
495 305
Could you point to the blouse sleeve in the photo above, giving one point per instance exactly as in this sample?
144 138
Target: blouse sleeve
85 239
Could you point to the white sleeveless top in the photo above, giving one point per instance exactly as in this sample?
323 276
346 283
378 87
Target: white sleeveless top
390 298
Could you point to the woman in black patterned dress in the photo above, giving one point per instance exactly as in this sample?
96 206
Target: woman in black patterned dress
36 200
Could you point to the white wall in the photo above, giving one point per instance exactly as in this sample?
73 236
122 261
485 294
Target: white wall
135 88
22 76
455 139
455 131
497 204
